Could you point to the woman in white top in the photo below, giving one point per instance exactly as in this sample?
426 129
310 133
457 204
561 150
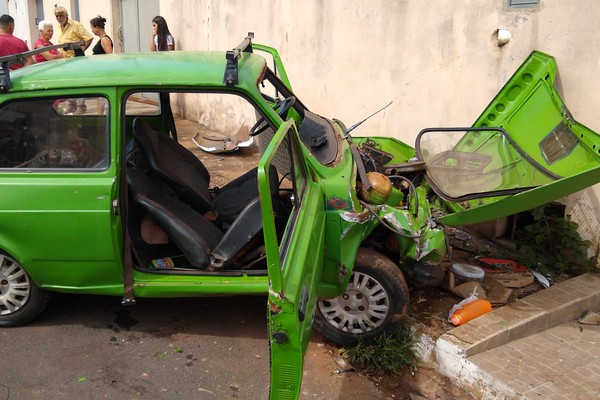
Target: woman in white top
162 40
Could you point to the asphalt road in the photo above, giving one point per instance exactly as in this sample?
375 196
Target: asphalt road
90 347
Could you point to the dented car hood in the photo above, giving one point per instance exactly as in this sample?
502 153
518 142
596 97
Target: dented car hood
525 150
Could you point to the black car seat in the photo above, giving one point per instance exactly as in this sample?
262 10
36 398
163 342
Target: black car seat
188 177
203 244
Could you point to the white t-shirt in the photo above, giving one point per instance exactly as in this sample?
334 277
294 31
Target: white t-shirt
169 41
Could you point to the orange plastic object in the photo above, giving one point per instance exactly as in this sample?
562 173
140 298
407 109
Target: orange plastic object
470 311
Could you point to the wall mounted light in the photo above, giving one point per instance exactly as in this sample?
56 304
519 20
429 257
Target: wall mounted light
503 36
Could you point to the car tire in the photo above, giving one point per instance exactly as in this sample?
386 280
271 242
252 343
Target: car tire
20 299
375 302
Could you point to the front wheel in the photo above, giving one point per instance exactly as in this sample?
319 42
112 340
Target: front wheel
20 299
375 302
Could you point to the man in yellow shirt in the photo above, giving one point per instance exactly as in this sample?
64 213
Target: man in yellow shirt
71 31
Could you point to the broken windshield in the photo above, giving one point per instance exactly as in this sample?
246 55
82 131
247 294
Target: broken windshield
466 163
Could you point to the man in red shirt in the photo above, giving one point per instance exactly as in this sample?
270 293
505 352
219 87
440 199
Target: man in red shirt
10 44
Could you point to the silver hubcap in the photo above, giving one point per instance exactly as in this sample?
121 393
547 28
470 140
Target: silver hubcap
14 286
362 308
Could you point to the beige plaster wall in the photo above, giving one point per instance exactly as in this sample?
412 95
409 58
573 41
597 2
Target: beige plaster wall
435 60
20 10
438 61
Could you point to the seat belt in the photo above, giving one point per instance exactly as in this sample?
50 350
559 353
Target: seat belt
128 292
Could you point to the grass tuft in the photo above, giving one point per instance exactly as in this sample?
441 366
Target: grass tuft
387 355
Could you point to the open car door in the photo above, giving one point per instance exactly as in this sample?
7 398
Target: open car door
294 258
525 150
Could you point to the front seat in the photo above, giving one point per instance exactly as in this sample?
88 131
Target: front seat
203 244
188 177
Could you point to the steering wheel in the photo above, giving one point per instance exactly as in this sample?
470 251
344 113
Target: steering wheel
282 109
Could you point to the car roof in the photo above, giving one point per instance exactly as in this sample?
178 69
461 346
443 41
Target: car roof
173 68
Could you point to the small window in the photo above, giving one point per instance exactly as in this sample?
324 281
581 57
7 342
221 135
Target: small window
514 4
54 133
143 103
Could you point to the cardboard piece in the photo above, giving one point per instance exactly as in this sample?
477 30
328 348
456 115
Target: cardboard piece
515 280
497 293
466 289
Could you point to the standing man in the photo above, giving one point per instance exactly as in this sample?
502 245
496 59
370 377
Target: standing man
10 44
71 31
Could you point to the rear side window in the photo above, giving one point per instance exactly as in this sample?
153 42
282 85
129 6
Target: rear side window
54 133
143 103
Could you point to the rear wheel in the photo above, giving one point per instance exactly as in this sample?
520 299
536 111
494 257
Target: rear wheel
375 302
20 299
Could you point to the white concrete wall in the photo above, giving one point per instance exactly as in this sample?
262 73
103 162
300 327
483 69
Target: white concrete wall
438 61
20 10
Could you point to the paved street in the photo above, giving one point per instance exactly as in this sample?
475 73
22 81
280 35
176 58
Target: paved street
88 347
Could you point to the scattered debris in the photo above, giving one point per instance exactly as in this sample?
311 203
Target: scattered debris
417 397
206 391
499 265
424 273
466 289
221 145
466 273
490 289
515 280
543 279
497 293
460 235
345 366
590 318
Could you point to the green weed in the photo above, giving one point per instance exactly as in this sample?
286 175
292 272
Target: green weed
553 245
387 355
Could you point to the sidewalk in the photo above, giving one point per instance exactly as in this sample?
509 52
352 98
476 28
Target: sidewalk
533 348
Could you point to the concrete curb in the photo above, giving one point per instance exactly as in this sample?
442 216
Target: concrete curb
543 310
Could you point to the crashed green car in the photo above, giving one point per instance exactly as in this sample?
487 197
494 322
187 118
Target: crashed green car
100 196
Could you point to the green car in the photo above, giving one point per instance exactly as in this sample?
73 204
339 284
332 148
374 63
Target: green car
100 196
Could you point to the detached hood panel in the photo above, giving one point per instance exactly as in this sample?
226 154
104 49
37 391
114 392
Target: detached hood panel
525 150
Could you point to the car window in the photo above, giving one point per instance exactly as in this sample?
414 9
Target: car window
143 103
464 164
54 133
219 122
223 119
